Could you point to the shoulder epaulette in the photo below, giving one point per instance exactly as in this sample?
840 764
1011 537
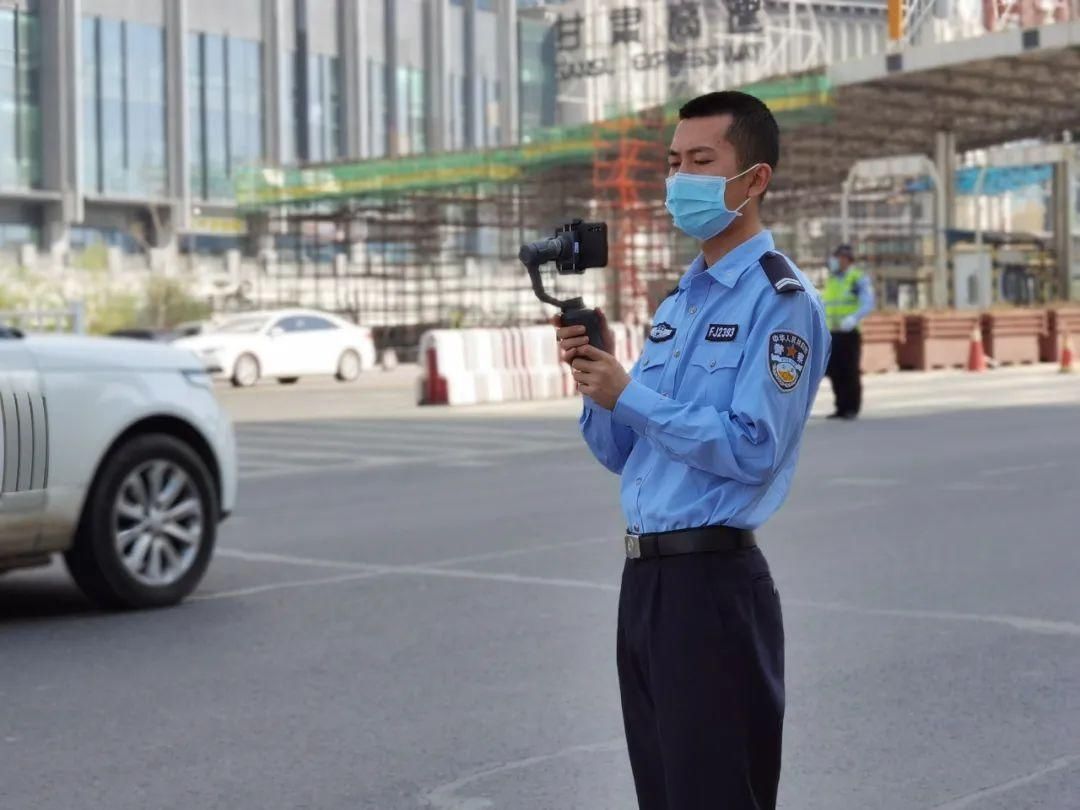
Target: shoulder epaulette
780 274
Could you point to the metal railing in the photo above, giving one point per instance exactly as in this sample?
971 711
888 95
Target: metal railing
71 319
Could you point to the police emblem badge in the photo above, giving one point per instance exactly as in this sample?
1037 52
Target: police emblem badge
661 332
788 354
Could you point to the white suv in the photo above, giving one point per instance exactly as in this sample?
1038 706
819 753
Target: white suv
117 454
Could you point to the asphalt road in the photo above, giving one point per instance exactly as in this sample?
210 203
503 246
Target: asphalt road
409 614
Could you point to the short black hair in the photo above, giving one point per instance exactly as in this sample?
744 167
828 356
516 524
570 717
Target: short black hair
753 132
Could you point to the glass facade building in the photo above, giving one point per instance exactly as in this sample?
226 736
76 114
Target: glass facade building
140 118
123 75
224 93
20 113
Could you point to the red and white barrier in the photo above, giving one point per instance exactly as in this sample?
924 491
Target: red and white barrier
516 364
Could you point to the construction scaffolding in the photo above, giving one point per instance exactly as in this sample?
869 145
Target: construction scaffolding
408 244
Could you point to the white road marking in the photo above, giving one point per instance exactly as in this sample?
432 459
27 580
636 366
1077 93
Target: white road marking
444 797
971 799
1048 627
523 550
343 565
862 482
1019 468
370 462
975 486
280 586
431 569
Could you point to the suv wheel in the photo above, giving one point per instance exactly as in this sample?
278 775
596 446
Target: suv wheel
148 527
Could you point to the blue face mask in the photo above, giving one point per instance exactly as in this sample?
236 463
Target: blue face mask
834 264
696 203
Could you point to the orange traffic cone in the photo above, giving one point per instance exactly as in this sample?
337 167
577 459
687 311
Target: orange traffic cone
1066 354
976 357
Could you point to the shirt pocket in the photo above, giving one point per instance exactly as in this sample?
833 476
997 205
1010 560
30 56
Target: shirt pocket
710 377
653 360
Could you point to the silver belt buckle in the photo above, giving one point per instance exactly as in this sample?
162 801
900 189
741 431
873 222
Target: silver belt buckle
633 546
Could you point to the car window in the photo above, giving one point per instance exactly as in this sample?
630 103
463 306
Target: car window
316 324
238 326
290 325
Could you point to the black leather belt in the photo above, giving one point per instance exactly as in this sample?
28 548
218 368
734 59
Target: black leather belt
688 541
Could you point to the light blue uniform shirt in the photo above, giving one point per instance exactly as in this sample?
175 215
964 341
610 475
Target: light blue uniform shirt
866 298
708 430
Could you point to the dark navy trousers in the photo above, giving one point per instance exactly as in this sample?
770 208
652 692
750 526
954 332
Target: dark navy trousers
701 672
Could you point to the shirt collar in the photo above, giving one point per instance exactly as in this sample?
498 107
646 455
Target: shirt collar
737 261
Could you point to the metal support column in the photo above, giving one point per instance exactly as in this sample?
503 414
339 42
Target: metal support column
353 60
1067 228
436 84
945 214
179 133
277 114
61 54
508 70
393 124
473 116
300 74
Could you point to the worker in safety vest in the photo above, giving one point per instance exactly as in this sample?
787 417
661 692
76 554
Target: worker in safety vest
848 297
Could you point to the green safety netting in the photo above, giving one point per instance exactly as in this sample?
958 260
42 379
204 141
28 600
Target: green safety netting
794 101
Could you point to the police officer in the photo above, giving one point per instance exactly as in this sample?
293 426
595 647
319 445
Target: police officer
848 298
705 433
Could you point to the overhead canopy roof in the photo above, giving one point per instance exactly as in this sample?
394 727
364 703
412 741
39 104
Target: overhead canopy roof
987 90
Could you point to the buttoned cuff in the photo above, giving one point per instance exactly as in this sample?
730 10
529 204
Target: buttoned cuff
635 405
591 404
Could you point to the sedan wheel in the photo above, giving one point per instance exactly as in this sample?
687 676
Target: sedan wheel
246 371
348 366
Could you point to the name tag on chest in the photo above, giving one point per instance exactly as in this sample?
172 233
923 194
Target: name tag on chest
722 332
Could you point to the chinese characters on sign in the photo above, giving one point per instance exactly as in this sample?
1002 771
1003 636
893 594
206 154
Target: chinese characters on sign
684 33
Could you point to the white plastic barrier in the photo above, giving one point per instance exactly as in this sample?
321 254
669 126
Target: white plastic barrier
471 366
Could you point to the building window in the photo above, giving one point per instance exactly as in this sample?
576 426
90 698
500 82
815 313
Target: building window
124 147
485 129
287 93
324 108
225 104
411 117
536 82
376 108
417 106
20 111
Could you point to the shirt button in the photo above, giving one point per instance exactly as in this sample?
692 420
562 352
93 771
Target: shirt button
677 352
712 364
637 528
693 310
638 482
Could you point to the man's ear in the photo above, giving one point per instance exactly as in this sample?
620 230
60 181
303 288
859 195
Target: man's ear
760 178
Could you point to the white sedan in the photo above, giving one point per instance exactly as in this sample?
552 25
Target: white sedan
116 454
284 344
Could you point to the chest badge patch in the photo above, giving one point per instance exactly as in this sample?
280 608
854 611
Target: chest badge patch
661 332
788 354
722 332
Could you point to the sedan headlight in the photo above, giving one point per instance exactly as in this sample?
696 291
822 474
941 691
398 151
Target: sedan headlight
199 377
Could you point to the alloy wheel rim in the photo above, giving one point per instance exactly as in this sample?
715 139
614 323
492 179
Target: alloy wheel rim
158 520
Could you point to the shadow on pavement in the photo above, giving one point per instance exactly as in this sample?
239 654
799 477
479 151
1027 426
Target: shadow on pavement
28 598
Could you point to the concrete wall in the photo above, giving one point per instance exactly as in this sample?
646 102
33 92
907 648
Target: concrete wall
149 12
234 18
